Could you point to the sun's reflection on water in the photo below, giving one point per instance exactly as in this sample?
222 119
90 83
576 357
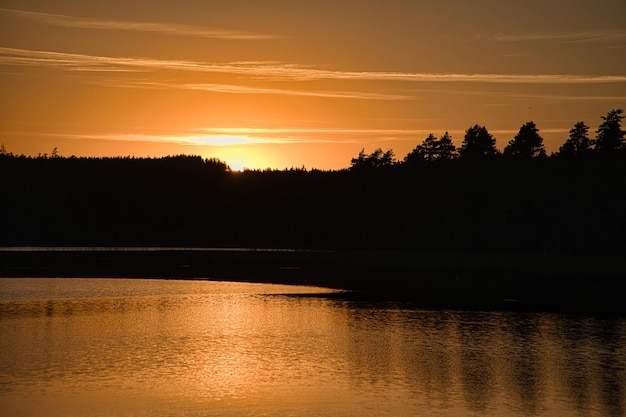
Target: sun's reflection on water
194 348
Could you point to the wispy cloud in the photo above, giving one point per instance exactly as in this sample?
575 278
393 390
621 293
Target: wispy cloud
230 136
83 62
542 95
274 131
319 135
577 37
208 139
238 136
240 89
274 71
161 28
70 62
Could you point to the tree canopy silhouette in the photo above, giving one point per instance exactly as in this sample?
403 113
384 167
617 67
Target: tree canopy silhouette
445 148
578 142
526 144
432 149
376 159
478 143
610 134
424 152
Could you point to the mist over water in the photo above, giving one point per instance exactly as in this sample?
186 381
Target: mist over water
94 347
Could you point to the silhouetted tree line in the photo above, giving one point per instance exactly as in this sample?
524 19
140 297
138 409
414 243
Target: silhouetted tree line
479 144
438 198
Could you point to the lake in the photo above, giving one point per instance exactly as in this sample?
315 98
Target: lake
143 347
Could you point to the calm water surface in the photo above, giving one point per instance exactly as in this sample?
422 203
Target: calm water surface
118 347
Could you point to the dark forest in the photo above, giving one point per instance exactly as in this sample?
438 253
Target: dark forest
437 198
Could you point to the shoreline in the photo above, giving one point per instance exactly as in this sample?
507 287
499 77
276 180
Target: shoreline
526 282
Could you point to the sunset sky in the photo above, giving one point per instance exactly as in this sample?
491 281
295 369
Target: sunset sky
290 83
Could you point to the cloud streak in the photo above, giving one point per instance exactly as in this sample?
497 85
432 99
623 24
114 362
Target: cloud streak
241 136
239 89
519 96
276 71
280 131
237 136
208 139
160 28
574 37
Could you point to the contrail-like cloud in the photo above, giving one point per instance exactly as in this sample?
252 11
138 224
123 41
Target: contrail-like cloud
574 37
237 136
520 96
242 136
240 89
208 139
281 131
277 71
161 28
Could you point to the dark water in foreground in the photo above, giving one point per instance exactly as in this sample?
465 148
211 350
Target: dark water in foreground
118 347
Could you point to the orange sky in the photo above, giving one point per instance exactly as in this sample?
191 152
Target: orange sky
290 83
